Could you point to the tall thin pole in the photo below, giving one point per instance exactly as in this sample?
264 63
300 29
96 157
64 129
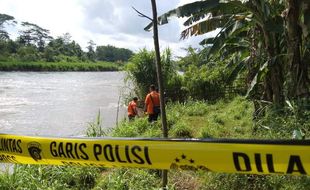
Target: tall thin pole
160 85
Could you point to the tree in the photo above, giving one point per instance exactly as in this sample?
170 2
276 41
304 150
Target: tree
5 42
35 42
298 33
5 20
27 53
192 57
63 47
34 35
76 49
66 37
91 55
70 47
141 70
111 53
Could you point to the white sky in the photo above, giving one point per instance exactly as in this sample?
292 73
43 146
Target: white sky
105 22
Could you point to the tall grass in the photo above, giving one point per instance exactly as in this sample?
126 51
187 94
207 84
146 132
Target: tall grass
48 177
95 129
58 66
123 179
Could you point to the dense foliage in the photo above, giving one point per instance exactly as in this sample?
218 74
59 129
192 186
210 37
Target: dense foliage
141 71
197 80
111 53
268 39
35 44
208 80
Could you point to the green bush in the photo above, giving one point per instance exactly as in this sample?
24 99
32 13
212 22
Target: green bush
209 80
141 71
27 53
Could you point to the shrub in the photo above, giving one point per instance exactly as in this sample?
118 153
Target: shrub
141 71
27 53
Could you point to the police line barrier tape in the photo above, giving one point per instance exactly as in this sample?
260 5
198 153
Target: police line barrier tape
219 155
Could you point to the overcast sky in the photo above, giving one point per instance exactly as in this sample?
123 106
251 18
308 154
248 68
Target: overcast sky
105 22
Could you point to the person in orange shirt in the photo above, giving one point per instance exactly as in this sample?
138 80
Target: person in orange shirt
152 104
132 109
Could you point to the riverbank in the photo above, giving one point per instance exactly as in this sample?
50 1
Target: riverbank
59 66
223 119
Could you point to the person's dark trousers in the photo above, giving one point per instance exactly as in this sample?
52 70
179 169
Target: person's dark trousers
153 117
131 117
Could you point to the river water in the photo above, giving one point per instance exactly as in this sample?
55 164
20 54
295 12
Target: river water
58 103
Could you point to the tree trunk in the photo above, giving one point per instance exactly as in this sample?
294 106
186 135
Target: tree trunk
267 94
160 85
274 77
298 68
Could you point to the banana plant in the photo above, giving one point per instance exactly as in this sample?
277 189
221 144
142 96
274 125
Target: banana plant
251 31
297 17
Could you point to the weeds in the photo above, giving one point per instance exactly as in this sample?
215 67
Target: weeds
95 129
181 130
121 179
48 177
283 123
140 127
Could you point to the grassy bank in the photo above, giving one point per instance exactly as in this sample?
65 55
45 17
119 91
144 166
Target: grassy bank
224 119
58 66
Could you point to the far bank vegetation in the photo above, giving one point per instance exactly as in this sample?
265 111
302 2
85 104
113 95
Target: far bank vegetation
35 49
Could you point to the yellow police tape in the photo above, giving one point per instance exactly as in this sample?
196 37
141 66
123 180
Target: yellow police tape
219 155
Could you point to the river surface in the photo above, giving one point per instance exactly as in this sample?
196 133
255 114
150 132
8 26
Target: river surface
58 103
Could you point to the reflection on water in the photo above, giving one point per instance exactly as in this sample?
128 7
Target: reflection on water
58 103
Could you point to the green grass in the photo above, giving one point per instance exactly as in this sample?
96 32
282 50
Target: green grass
223 119
58 66
48 177
121 179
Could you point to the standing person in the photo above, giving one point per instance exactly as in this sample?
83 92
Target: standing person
132 109
152 104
